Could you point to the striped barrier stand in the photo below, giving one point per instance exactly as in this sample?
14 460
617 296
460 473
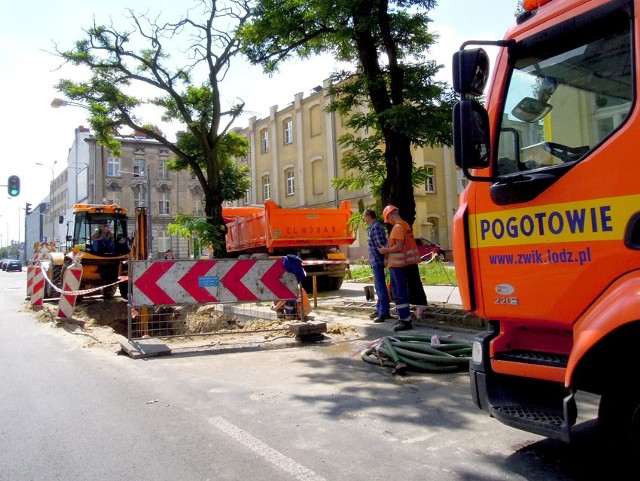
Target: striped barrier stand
71 284
37 295
31 270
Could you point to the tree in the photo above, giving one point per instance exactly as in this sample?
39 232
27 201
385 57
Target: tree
206 145
386 40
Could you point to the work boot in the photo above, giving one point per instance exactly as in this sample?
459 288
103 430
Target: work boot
403 325
373 315
382 318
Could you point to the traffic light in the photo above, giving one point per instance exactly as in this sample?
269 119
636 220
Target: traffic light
27 208
13 185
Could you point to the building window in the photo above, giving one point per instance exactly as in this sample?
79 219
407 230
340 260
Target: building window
163 170
164 241
288 132
163 204
138 167
290 181
196 202
139 198
430 184
462 181
247 197
266 188
113 167
264 139
113 197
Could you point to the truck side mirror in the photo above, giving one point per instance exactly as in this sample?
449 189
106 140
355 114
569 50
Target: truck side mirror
471 135
470 71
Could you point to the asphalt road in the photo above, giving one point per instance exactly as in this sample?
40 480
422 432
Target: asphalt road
313 412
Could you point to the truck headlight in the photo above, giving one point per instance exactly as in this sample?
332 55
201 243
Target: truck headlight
476 352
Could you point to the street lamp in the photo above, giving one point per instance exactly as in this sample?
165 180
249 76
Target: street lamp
57 103
53 224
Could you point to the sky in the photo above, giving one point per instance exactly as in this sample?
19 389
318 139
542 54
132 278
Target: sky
32 132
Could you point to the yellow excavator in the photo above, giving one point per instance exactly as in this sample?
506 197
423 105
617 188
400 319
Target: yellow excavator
101 240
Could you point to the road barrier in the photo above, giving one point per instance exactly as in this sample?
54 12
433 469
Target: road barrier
158 288
70 284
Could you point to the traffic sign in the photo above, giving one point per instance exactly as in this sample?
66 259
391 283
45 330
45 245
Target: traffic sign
178 282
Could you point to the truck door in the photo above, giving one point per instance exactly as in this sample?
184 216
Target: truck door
549 233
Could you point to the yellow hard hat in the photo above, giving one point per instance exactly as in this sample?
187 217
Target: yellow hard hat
387 212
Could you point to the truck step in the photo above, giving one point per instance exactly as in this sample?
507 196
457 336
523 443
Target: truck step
531 414
554 424
534 357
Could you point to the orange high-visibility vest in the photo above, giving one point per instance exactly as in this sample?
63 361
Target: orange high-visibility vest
409 254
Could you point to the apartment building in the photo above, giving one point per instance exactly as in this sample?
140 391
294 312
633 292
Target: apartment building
139 176
294 155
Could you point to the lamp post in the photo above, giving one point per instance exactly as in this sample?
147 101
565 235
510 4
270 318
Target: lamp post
57 103
53 225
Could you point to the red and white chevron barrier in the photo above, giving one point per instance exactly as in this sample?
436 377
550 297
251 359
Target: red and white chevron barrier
71 283
37 294
31 270
156 283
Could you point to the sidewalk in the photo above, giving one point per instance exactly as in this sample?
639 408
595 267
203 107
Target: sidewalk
350 306
445 296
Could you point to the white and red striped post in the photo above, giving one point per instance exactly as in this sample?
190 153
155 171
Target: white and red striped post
31 270
37 294
71 283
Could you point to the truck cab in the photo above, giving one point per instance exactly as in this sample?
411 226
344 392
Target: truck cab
547 234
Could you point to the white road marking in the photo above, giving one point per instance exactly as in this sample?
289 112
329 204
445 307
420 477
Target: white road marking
274 457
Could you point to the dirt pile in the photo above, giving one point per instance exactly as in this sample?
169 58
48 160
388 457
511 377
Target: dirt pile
103 324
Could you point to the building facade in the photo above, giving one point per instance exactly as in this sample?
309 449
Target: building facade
138 177
295 154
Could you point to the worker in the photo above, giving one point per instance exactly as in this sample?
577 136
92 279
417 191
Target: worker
378 238
401 252
103 240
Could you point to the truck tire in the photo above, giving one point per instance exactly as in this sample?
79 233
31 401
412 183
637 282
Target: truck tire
334 283
324 283
619 421
109 292
55 276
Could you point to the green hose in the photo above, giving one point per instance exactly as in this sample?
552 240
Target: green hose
418 353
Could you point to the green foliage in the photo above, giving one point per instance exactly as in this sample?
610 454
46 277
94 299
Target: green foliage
392 80
198 227
205 146
434 273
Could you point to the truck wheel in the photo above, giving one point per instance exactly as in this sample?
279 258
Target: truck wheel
619 421
56 278
334 283
109 292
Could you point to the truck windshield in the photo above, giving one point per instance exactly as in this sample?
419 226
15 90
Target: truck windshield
560 105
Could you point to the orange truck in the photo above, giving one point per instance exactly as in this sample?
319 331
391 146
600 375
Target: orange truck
314 234
547 234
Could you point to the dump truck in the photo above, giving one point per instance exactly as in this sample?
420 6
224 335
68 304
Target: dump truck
547 234
314 234
104 258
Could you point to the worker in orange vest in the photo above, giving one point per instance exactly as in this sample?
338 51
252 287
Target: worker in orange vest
401 252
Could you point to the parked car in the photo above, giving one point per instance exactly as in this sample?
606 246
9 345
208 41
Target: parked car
3 264
13 265
429 250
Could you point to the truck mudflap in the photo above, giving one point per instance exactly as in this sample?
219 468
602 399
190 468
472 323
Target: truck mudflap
540 407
